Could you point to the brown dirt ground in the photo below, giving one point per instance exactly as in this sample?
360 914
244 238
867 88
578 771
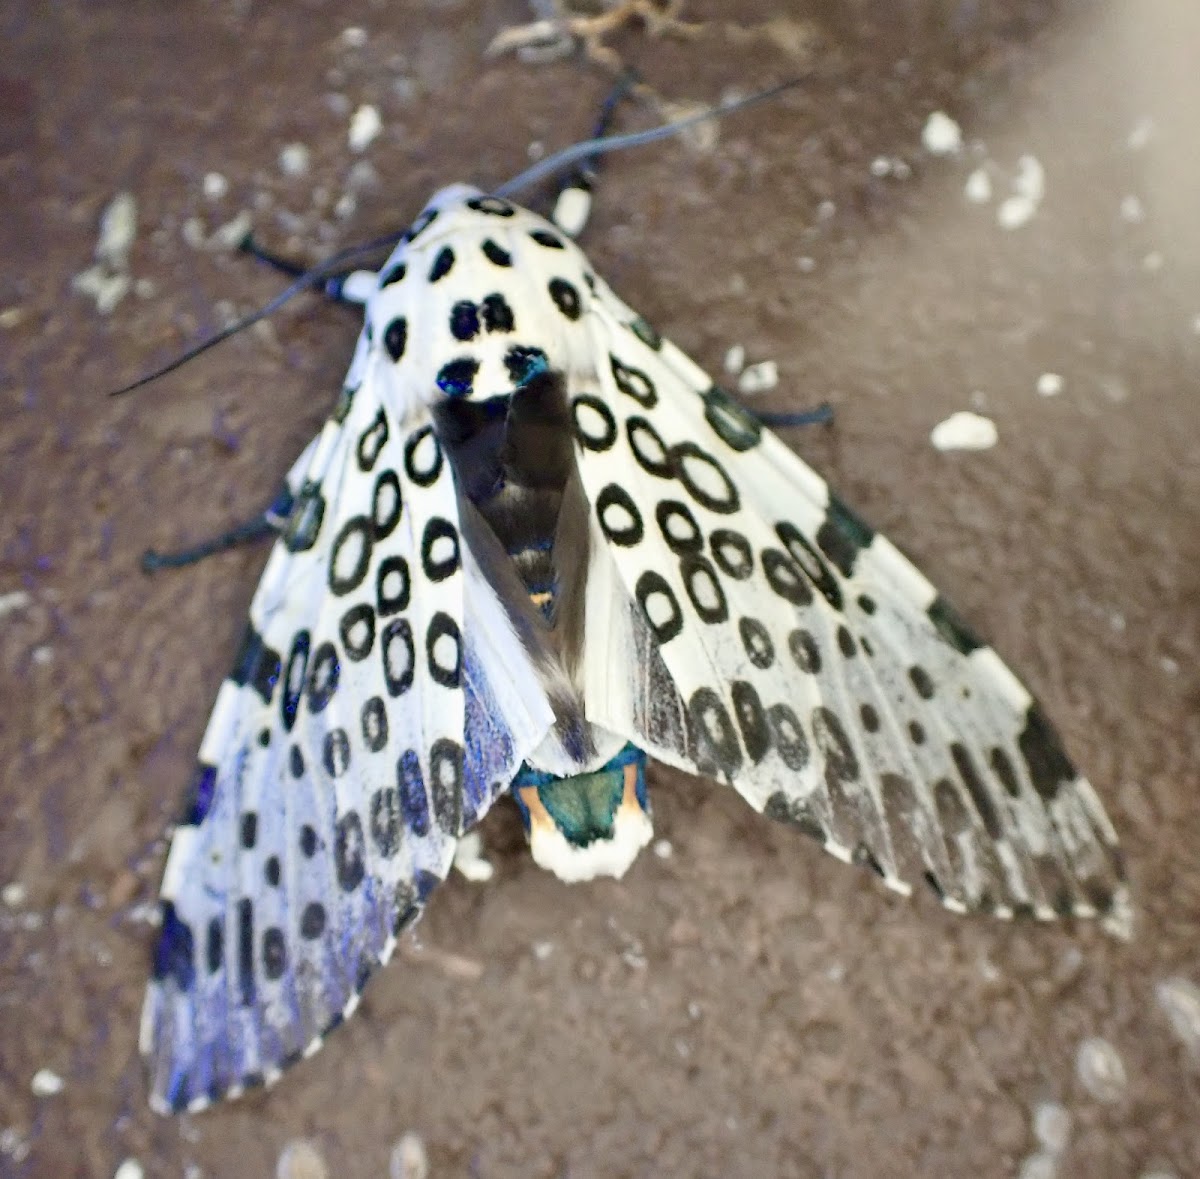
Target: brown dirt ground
746 1007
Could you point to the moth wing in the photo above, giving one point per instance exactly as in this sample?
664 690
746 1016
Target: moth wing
781 645
376 710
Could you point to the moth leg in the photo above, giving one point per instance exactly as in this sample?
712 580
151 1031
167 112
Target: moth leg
353 287
267 523
819 415
573 205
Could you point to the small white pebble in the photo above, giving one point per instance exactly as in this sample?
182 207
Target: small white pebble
826 211
1179 1000
1049 384
469 859
901 169
294 159
1038 1166
1100 1069
663 849
1142 133
735 360
193 232
805 264
13 894
106 288
758 378
214 185
11 317
835 973
941 135
42 655
1015 212
1031 179
231 235
362 175
46 1083
354 37
130 1169
964 431
881 166
694 1010
1169 665
989 971
978 188
346 207
118 228
1132 210
13 600
300 1159
409 1158
1052 1126
542 950
365 125
1153 262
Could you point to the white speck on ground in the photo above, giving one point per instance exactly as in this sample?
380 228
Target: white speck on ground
409 1159
1038 1166
13 894
1143 131
978 188
214 186
805 264
735 360
1100 1070
144 288
42 655
964 431
1179 1000
1132 209
231 235
663 849
1052 1126
365 126
107 289
1153 262
346 207
354 37
193 233
1014 212
542 950
118 228
294 159
130 1169
758 378
470 861
14 600
300 1159
941 135
1031 179
1049 384
14 1144
826 211
46 1083
11 317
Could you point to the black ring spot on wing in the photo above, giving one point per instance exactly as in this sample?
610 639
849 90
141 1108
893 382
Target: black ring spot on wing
785 578
592 440
620 520
385 821
652 587
393 586
357 630
491 205
811 562
834 743
789 739
410 786
439 529
355 539
386 504
456 378
566 298
442 626
633 383
395 338
714 731
335 753
349 851
756 639
735 426
274 953
446 782
324 674
703 588
524 363
427 472
804 650
678 527
751 720
398 655
374 724
732 553
726 501
372 440
649 449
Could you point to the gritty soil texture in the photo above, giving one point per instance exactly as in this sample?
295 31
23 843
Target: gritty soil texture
746 1006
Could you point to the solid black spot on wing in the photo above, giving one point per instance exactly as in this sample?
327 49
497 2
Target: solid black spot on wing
846 643
308 841
393 276
304 520
456 378
214 949
272 871
349 851
423 457
174 957
357 630
323 677
646 333
446 781
524 363
951 627
717 740
496 255
866 603
264 737
633 383
1003 768
975 788
393 586
751 720
1049 767
464 320
738 428
249 830
422 223
274 953
396 650
443 633
350 556
257 665
756 639
497 314
395 338
312 921
410 788
811 562
442 264
245 914
678 527
703 588
659 606
917 732
335 753
200 794
595 426
921 681
869 717
385 821
620 520
841 762
546 239
797 812
374 724
843 535
296 762
440 557
566 298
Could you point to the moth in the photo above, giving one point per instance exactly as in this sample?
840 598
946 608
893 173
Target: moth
533 546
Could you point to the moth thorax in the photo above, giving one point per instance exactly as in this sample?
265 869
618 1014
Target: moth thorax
587 825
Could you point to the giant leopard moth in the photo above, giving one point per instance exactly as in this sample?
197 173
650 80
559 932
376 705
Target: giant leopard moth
533 544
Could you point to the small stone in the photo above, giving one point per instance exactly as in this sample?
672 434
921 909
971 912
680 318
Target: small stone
881 166
231 235
1142 133
300 1159
1052 1126
354 37
13 894
409 1158
11 317
193 232
542 950
663 849
1132 210
365 126
964 431
1031 179
1038 1166
1100 1070
735 360
1153 262
214 186
1179 1000
1049 384
1015 212
46 1083
130 1169
14 600
294 159
118 228
941 135
978 188
758 378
